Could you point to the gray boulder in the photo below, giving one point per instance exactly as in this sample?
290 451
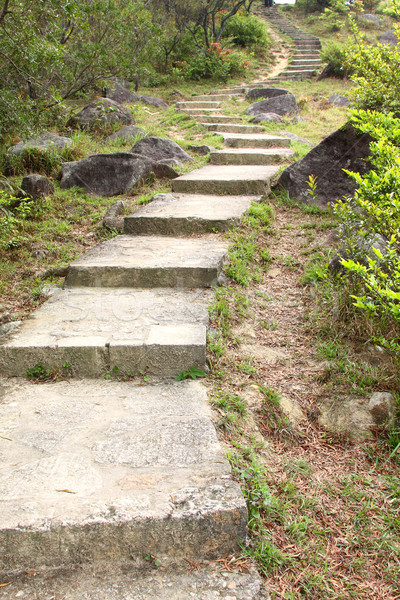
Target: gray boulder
36 186
202 150
128 133
160 149
267 118
46 141
346 148
370 18
256 93
389 38
363 248
297 138
285 104
338 100
120 94
101 112
382 406
111 174
153 101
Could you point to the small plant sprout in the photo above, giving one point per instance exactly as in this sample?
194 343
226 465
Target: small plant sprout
192 373
312 186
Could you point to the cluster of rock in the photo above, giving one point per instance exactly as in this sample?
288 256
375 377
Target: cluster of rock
275 103
106 174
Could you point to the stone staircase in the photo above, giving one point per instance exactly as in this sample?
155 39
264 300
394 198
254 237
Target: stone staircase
101 471
306 58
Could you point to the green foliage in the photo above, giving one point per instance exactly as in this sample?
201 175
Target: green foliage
214 62
376 71
14 213
247 31
192 373
334 55
375 210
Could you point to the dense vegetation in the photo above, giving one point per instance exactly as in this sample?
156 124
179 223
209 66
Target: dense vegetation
52 51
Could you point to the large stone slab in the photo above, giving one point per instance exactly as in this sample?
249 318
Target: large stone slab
255 140
155 331
180 214
150 262
250 156
97 470
214 179
345 148
130 582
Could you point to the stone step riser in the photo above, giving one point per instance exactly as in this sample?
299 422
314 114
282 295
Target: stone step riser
217 119
234 158
256 143
293 68
255 187
231 128
202 104
213 97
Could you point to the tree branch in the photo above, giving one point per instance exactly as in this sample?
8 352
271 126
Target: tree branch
4 11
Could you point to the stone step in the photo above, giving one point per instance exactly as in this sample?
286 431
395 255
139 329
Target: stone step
184 214
218 118
113 471
213 179
305 62
250 156
307 56
157 331
213 97
302 67
193 112
256 140
199 104
233 128
105 581
149 262
230 91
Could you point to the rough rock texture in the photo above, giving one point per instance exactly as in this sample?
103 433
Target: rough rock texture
297 138
371 18
160 149
202 150
36 186
365 245
382 406
285 104
338 100
120 94
266 117
100 112
128 133
256 93
47 141
153 101
110 174
113 219
389 37
346 148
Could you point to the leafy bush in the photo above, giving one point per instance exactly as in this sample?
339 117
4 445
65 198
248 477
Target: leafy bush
213 63
13 215
334 55
375 210
247 31
376 72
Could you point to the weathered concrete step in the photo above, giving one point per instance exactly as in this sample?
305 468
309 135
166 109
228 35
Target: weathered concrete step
218 118
182 214
250 156
193 112
233 128
103 581
303 67
199 104
212 97
156 331
308 55
256 140
214 179
231 91
305 62
97 470
149 262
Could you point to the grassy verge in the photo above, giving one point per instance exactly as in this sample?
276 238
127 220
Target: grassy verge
323 509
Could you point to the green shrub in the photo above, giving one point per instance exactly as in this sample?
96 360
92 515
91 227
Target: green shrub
247 31
215 62
334 55
375 210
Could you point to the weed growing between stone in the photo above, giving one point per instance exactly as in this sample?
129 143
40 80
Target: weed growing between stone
323 509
